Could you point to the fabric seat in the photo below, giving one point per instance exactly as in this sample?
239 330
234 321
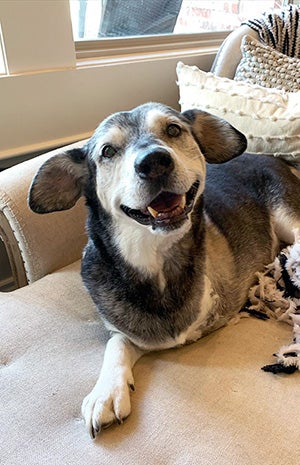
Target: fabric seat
205 403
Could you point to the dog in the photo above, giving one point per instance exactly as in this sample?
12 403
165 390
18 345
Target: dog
179 221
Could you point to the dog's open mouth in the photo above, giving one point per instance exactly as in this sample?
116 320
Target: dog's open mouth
166 210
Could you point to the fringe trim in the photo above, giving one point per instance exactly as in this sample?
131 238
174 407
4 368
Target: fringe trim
277 295
280 30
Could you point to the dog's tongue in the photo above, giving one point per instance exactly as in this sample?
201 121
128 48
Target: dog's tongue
165 203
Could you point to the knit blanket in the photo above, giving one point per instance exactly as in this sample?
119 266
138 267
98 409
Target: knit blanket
279 29
277 295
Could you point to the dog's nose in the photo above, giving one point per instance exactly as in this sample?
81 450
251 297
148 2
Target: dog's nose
154 164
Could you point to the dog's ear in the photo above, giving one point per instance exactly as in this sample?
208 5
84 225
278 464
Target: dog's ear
217 139
59 182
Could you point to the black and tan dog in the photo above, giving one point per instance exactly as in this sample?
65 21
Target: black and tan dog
174 243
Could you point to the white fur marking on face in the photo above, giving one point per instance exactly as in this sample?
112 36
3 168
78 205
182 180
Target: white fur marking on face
154 119
111 173
114 136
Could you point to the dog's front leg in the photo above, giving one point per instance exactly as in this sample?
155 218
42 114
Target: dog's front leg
109 401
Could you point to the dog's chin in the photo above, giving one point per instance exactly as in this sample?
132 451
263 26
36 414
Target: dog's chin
166 212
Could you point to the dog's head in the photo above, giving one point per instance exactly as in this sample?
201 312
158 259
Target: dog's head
148 165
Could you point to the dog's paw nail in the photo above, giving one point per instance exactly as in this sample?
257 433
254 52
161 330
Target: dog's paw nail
93 433
120 420
96 427
94 430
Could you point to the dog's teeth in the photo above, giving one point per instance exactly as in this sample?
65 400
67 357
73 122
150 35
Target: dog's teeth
183 202
152 212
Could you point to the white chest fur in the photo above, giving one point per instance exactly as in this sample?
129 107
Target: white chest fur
145 250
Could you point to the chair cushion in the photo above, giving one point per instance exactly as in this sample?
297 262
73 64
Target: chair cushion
208 402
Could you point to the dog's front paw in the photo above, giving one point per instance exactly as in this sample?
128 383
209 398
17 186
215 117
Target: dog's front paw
108 403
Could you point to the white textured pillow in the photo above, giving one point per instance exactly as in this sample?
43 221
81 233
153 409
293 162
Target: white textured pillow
263 65
269 118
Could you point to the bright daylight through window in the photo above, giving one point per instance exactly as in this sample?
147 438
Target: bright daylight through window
95 19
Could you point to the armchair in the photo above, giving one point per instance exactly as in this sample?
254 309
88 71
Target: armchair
36 245
206 403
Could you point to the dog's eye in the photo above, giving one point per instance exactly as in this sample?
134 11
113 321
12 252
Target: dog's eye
173 130
108 151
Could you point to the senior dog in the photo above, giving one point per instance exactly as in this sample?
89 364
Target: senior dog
179 222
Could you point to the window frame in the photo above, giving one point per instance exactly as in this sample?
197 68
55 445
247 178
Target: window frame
155 45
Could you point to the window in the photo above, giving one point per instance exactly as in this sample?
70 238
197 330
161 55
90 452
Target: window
94 19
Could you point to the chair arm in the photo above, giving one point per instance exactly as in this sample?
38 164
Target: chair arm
229 54
37 244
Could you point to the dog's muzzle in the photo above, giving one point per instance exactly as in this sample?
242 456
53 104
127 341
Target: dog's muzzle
166 211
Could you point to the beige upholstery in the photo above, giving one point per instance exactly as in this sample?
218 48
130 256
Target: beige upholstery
206 403
37 244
